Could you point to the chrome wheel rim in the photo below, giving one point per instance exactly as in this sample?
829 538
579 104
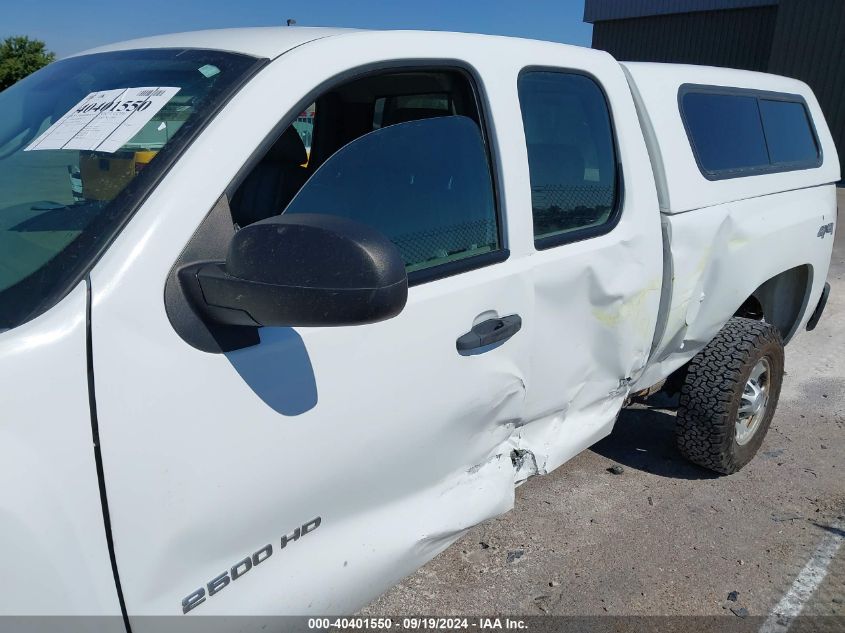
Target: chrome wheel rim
754 402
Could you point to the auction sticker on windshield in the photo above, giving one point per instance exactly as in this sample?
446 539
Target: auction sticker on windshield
106 120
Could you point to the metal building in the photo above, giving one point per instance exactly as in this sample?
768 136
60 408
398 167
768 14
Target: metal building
797 38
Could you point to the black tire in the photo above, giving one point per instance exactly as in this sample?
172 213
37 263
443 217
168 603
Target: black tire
712 391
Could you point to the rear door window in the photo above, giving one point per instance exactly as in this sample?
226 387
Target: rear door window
571 156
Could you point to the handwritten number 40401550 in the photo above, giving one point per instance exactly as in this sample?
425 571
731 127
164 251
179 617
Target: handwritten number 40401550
138 105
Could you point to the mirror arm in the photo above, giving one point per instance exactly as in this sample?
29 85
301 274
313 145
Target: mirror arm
221 293
209 289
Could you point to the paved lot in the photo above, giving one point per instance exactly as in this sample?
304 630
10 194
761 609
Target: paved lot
666 537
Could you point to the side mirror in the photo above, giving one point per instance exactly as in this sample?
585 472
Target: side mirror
302 270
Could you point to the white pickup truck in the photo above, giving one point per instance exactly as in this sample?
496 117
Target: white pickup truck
239 377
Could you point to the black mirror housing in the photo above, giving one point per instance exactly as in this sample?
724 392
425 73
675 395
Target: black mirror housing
304 270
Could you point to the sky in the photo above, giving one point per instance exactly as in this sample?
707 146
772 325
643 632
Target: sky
70 27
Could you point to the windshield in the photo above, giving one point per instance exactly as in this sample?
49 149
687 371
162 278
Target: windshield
82 141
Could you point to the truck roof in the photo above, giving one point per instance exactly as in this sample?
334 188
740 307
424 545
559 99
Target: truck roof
267 41
272 41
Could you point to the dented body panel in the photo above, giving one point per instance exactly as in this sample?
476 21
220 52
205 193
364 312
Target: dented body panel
308 473
720 236
709 246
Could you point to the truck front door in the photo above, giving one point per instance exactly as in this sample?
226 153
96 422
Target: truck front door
310 471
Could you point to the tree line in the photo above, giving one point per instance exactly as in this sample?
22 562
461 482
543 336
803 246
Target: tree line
21 56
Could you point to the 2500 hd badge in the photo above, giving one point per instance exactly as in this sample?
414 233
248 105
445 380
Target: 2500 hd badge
218 583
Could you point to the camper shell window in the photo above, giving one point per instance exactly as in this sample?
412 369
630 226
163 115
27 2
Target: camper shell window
738 132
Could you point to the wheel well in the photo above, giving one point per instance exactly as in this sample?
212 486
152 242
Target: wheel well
751 309
780 300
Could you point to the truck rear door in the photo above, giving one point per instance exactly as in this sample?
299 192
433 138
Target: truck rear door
595 239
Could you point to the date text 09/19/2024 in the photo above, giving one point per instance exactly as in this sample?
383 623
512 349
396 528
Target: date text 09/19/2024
415 623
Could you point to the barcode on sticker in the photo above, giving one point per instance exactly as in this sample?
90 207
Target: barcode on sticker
151 92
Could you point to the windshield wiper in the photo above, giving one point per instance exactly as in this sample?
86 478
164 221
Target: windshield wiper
73 217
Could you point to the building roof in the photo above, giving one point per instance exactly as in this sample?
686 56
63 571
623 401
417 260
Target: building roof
604 10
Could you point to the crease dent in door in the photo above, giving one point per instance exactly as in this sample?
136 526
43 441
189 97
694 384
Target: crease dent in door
586 410
599 349
485 489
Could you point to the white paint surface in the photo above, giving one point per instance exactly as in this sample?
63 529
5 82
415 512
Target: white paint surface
53 539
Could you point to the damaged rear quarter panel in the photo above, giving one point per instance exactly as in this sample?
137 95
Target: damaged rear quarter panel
722 254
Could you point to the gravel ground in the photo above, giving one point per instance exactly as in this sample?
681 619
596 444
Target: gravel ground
666 537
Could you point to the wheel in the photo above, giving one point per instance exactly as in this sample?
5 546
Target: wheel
729 395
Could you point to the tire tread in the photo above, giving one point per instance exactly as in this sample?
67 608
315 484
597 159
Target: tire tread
705 422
